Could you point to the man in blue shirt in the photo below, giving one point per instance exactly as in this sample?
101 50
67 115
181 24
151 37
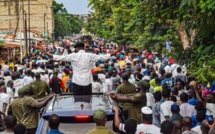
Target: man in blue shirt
54 122
199 108
168 80
200 117
192 99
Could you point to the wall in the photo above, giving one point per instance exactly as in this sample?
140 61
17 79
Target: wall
38 9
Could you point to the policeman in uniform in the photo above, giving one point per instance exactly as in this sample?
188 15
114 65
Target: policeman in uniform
100 117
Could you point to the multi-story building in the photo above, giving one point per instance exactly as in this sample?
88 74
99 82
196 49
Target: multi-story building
41 15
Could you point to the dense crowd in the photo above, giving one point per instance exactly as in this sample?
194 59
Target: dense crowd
155 94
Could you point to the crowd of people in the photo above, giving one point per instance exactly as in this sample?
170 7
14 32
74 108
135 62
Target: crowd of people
155 94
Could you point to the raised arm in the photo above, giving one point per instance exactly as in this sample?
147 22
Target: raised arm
43 103
116 116
58 57
196 90
44 98
95 57
122 97
116 51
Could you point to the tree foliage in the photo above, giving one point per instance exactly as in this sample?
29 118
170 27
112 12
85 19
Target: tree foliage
59 8
148 24
65 24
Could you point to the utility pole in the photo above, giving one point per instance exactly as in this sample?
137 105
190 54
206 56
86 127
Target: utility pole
20 31
9 12
29 26
53 17
25 30
45 27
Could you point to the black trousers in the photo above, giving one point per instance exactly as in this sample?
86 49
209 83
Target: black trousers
82 90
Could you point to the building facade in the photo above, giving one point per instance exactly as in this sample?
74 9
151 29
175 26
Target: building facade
41 16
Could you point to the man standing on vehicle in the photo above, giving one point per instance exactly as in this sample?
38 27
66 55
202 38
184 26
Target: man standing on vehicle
82 64
100 117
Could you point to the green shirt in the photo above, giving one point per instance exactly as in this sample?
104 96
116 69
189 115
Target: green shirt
16 108
30 113
40 90
100 130
135 108
125 88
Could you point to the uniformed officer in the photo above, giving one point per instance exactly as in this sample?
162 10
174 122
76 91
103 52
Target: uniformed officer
15 107
137 100
100 117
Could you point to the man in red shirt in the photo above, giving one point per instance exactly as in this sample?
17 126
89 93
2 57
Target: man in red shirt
56 83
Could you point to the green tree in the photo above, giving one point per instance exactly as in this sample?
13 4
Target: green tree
62 25
65 23
59 8
148 24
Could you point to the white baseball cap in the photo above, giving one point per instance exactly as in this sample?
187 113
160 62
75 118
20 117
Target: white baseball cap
146 110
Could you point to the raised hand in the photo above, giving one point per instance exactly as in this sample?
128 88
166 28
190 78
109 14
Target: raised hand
112 95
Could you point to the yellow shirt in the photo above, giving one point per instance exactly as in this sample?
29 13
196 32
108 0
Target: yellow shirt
158 88
152 83
100 130
63 74
121 63
12 65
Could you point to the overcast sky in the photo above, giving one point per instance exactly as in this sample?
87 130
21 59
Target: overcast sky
75 6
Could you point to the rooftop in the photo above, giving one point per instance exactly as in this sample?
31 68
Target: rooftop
70 105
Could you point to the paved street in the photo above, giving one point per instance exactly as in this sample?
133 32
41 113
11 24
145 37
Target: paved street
80 128
146 63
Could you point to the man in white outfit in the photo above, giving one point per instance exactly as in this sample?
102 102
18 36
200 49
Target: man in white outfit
82 64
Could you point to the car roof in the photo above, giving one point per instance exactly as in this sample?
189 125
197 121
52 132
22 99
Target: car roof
76 105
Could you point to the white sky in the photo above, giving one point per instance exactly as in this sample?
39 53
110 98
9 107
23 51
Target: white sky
76 6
